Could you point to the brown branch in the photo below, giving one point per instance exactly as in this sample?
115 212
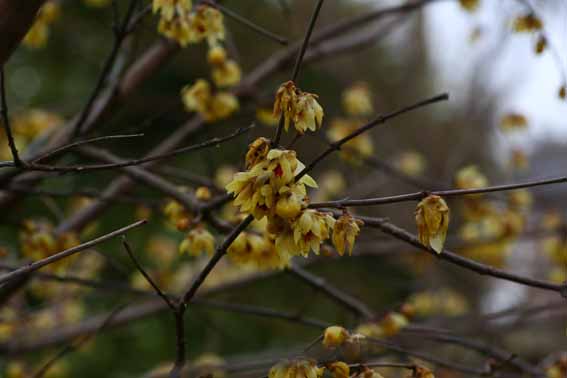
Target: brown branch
6 119
341 297
417 196
463 262
336 146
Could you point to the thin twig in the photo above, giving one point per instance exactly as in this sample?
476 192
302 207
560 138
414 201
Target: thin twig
377 121
417 196
26 269
246 22
298 62
6 120
159 292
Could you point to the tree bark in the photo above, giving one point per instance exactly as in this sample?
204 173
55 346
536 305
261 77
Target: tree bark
16 17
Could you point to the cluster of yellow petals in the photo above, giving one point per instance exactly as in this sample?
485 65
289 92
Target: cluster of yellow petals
345 232
38 240
269 188
357 100
298 368
445 302
186 24
390 325
200 98
334 336
197 241
432 218
298 107
411 163
257 249
361 146
38 34
26 126
226 72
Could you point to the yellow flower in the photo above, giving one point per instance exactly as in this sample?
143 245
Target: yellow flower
38 240
197 96
284 106
527 23
208 23
308 113
393 323
300 368
470 177
227 74
177 28
355 347
257 152
257 190
197 241
223 105
469 5
311 229
361 145
203 193
292 199
423 372
411 163
209 365
217 55
432 218
357 100
520 199
168 8
339 369
334 336
257 251
513 121
345 231
175 212
298 107
37 36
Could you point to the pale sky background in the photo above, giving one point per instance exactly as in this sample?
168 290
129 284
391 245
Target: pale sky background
515 78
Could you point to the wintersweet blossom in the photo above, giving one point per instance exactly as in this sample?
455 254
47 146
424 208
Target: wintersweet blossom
432 218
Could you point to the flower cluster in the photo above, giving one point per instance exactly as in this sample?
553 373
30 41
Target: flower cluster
180 22
269 188
200 98
298 107
300 368
38 34
225 71
38 240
